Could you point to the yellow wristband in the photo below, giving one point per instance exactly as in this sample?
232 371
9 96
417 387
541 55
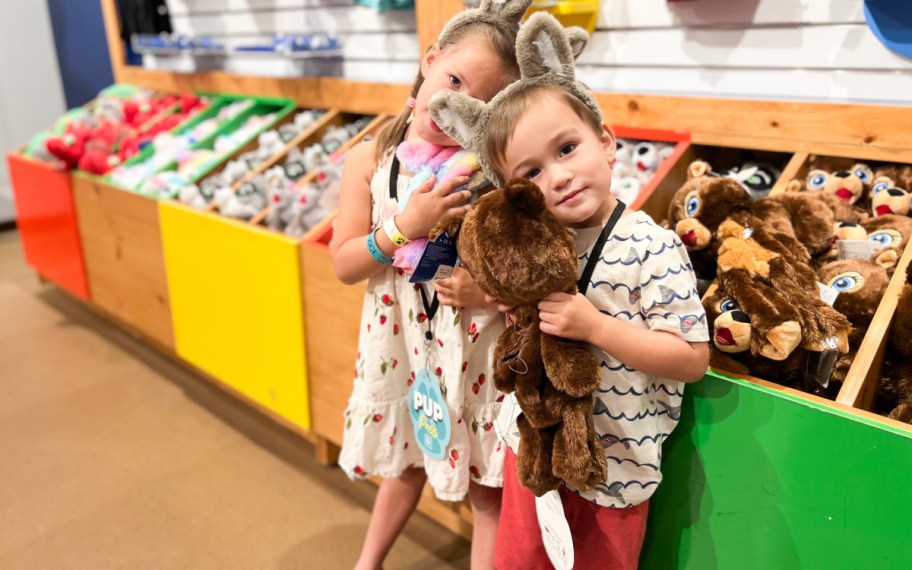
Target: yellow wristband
392 232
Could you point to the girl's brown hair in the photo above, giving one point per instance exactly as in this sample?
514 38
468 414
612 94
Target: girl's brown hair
498 131
504 44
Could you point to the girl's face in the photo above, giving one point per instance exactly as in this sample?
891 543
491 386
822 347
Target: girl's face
470 66
553 147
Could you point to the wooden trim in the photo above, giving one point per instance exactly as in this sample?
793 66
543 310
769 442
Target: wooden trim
431 16
790 172
111 16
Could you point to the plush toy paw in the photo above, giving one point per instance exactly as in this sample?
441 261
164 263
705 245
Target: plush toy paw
533 460
783 339
570 366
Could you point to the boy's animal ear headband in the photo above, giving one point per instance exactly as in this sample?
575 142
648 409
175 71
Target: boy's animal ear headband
545 52
502 14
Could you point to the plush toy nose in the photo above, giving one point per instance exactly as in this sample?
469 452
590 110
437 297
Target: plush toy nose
895 192
740 317
842 174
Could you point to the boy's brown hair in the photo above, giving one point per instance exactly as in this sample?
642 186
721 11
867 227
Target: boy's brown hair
498 22
545 52
498 131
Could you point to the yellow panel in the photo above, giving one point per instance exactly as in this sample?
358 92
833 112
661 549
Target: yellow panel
236 304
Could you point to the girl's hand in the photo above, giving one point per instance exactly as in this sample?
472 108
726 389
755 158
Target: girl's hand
507 310
459 290
428 205
569 316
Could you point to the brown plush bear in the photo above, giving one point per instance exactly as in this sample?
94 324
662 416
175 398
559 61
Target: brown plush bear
732 348
772 285
894 394
809 217
860 284
842 177
697 209
890 191
553 378
889 234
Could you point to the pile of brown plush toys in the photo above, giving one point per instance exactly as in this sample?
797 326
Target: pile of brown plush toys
776 263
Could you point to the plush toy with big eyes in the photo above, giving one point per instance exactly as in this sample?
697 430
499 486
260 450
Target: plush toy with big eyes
623 152
860 284
847 180
890 190
645 157
758 178
894 393
732 344
889 235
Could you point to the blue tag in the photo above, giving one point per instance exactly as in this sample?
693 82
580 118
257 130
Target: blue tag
437 261
430 416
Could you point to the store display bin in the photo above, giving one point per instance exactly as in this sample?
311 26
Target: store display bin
681 141
122 245
46 219
237 301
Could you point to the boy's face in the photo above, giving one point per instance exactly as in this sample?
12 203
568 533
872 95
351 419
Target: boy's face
470 66
553 147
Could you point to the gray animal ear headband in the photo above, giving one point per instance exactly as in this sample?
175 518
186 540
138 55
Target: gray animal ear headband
545 51
502 14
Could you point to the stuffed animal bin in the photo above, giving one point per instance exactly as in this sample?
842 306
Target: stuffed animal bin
517 252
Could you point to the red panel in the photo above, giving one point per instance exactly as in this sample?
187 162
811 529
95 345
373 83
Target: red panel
46 217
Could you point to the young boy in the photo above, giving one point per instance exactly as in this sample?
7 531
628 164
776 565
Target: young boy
640 312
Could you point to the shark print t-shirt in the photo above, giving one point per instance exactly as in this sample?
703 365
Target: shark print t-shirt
643 277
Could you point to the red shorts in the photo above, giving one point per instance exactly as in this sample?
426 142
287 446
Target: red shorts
602 537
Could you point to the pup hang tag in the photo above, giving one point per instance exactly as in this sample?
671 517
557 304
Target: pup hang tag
437 261
430 416
555 530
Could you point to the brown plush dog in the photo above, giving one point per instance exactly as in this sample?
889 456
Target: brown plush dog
697 209
890 191
553 378
733 345
889 234
842 177
776 289
861 284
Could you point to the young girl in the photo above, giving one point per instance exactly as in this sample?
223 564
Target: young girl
637 306
446 332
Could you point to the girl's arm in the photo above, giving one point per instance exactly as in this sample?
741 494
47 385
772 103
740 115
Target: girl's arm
654 352
351 260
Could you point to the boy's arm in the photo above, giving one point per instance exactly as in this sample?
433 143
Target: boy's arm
653 352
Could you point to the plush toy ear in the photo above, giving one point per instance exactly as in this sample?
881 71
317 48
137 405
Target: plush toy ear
543 46
793 186
525 196
508 10
698 168
450 224
578 39
457 115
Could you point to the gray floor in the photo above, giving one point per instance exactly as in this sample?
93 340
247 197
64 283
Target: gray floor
112 456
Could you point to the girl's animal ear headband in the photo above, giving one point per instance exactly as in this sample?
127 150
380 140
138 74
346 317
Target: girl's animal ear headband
502 14
545 52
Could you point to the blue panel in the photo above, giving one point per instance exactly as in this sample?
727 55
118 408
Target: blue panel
82 49
891 22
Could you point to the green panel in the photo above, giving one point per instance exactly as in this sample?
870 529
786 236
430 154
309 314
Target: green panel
755 478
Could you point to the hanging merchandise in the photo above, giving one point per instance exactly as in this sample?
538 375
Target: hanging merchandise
387 5
582 13
144 17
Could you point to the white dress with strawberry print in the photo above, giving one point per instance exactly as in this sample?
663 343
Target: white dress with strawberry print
392 348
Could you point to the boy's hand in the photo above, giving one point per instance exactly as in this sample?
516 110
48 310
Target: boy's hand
459 290
507 310
428 205
569 316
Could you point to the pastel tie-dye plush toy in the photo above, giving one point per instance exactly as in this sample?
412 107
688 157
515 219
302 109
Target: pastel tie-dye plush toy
426 160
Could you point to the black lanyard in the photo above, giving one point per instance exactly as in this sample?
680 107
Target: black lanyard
430 308
583 283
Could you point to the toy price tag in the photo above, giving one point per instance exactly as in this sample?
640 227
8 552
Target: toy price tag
555 530
429 414
505 422
437 261
827 294
820 364
854 249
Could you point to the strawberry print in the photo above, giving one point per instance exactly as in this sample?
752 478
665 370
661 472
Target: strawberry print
481 379
475 388
473 329
382 319
500 398
359 471
422 317
475 338
438 371
464 366
440 342
488 426
474 471
452 464
394 363
387 300
454 454
395 329
377 417
368 327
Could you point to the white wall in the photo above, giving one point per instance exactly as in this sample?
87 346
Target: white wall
783 49
31 92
